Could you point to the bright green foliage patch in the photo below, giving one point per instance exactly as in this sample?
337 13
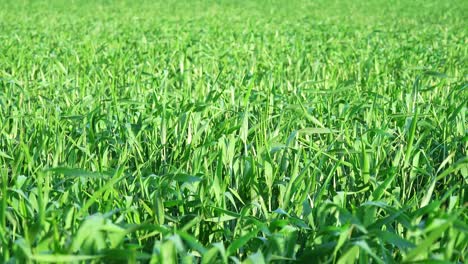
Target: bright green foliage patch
233 131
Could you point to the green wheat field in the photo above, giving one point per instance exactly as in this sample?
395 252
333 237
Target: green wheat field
223 131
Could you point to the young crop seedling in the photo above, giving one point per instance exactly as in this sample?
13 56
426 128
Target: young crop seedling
226 131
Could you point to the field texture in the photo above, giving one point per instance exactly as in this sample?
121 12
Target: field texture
233 131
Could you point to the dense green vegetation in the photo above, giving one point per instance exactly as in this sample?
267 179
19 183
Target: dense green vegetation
230 131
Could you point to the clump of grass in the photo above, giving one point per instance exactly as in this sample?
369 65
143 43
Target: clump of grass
227 132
